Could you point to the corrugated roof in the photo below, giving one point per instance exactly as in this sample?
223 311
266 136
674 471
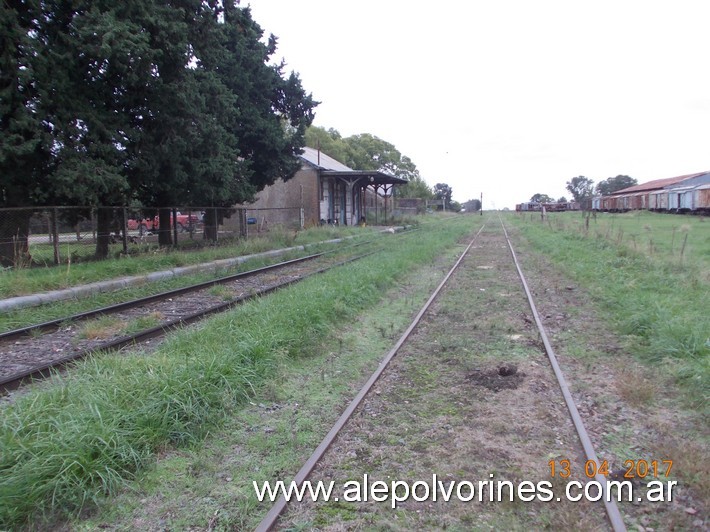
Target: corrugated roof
657 183
700 179
323 161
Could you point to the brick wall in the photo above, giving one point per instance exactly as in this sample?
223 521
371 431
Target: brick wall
280 202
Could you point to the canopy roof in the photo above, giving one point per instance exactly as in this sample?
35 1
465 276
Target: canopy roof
333 168
373 178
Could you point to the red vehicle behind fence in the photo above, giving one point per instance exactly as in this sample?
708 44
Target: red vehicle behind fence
185 222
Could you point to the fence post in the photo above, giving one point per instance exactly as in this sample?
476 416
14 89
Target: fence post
55 236
93 223
303 217
125 231
174 214
241 215
216 225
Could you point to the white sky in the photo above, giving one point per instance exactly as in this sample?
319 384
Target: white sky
509 97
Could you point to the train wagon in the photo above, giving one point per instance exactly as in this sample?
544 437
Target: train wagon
655 201
701 199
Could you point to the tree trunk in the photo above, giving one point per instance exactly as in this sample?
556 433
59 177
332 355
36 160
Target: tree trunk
14 238
210 224
104 224
165 237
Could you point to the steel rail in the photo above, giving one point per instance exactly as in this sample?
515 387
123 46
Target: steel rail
111 309
12 382
273 514
617 522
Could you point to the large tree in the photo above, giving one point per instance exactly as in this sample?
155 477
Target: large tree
368 152
93 69
240 125
612 184
24 137
580 187
442 191
363 152
472 205
415 188
165 102
541 198
329 141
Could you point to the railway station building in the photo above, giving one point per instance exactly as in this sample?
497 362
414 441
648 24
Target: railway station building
325 191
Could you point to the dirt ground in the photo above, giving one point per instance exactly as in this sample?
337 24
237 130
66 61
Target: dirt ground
471 398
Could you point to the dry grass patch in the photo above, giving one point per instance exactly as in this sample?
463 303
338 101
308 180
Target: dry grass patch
634 387
103 328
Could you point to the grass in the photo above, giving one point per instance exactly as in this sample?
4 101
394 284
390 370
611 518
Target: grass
69 443
102 328
208 486
31 315
656 298
14 282
673 239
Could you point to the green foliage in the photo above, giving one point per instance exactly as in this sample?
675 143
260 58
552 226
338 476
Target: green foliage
24 139
329 141
23 151
159 102
580 187
443 191
541 198
472 205
416 188
363 152
612 184
367 152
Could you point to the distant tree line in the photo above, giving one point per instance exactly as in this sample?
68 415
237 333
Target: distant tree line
472 205
151 103
583 188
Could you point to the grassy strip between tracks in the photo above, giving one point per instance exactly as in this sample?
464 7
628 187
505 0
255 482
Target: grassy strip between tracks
658 304
69 443
15 282
32 315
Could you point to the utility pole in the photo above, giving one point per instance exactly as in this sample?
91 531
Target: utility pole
481 203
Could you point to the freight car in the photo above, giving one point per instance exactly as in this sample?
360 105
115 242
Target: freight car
690 199
549 207
682 194
680 198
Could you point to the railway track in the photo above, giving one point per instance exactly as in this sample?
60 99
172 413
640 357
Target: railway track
365 395
35 351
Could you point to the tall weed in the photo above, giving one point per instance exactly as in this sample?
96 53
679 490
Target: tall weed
660 307
77 439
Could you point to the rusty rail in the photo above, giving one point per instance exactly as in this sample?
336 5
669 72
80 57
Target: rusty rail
617 522
272 516
13 382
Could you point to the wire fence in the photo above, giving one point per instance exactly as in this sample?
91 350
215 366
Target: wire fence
54 235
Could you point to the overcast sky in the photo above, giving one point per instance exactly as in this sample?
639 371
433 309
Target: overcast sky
509 97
